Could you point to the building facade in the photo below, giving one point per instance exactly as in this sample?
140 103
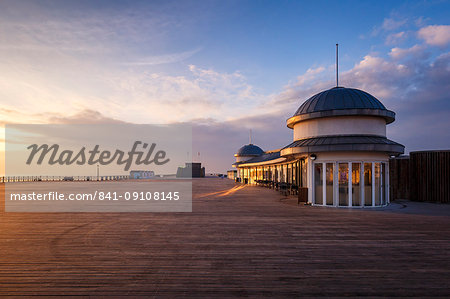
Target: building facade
340 152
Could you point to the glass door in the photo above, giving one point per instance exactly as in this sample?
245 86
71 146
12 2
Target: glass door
318 183
329 184
356 184
343 184
378 191
368 184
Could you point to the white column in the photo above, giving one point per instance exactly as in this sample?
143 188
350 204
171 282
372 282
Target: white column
324 183
373 184
361 182
387 183
350 202
309 179
336 184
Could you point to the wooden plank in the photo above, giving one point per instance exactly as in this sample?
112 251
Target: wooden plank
247 243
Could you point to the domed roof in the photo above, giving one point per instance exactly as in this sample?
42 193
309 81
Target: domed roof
340 98
339 101
249 150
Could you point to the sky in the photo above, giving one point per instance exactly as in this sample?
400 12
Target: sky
223 67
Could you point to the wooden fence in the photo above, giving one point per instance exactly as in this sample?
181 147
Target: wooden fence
399 178
425 176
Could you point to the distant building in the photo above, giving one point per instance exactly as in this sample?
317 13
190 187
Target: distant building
232 174
141 174
194 170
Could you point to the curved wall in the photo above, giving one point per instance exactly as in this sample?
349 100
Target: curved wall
340 125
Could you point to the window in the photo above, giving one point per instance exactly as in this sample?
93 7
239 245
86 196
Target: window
289 173
378 192
343 184
304 174
356 184
367 184
350 184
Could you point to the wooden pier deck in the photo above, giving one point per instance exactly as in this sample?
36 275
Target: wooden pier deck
236 242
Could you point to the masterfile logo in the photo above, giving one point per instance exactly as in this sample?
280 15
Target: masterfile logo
75 168
95 156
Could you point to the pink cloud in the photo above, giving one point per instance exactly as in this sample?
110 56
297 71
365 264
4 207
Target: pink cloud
436 35
399 53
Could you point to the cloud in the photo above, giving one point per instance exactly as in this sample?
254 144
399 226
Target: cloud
370 74
399 53
374 73
81 29
87 116
83 117
160 97
395 38
409 81
435 35
392 23
73 61
421 21
416 88
54 65
305 85
163 59
14 116
150 97
101 60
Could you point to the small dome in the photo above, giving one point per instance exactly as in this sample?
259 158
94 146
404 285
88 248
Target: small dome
340 101
249 150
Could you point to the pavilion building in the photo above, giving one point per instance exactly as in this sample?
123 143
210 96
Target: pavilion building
339 152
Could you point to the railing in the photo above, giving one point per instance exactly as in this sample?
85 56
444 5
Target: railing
10 179
285 188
